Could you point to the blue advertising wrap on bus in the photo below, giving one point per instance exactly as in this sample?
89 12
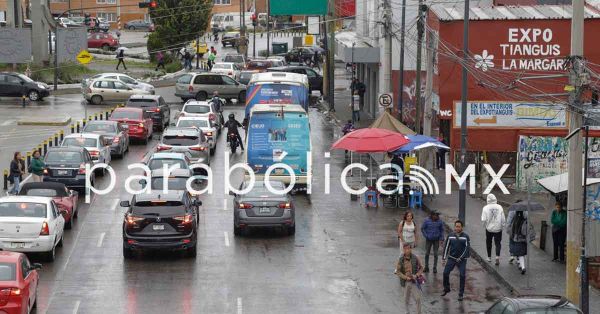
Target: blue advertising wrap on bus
276 93
270 135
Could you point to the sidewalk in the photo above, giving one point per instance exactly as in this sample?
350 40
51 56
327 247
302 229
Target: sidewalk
545 277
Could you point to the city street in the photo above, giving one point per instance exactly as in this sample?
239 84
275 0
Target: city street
341 259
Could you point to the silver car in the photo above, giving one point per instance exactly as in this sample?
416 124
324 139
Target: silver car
199 109
97 145
182 140
200 85
123 78
207 126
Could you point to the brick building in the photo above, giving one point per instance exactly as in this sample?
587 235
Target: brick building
129 9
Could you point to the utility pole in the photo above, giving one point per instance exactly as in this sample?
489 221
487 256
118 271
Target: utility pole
387 69
427 115
244 43
420 29
577 283
268 27
462 195
401 81
331 54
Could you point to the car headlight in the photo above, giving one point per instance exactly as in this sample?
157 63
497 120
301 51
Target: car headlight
41 86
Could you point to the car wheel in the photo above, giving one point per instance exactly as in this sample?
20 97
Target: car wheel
131 28
69 225
127 253
34 95
96 99
192 252
242 97
237 231
50 255
201 96
212 151
224 46
75 211
291 230
105 47
60 242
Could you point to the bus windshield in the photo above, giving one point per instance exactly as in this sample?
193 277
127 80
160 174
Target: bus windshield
276 93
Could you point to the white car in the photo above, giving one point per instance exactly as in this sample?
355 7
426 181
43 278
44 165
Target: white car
31 224
97 145
125 79
195 108
204 124
228 68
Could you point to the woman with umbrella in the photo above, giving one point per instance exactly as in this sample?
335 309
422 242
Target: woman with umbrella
520 231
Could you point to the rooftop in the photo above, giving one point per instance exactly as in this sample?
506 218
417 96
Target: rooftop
454 12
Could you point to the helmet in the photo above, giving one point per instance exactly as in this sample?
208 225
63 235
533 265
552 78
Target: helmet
231 116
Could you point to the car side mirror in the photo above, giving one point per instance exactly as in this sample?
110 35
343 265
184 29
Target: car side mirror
36 266
125 204
232 193
197 202
142 182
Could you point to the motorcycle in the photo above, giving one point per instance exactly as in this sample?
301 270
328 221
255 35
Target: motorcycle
233 142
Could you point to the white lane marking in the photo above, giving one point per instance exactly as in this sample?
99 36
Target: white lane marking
99 244
76 308
225 204
226 238
239 306
114 205
7 122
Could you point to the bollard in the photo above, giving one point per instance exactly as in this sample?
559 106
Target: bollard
72 128
62 135
45 148
106 113
56 139
39 149
90 118
28 159
543 232
50 141
101 116
82 123
96 116
77 126
5 179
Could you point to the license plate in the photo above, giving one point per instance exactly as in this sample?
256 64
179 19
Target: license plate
158 227
265 210
63 172
17 245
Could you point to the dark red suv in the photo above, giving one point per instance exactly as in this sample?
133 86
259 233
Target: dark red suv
102 40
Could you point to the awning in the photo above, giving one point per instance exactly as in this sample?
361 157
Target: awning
361 52
389 122
560 183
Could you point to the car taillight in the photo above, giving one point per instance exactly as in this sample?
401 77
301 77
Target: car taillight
230 73
132 220
184 219
116 140
81 169
94 153
212 116
285 205
245 206
45 171
208 133
45 229
10 291
141 125
191 89
201 148
162 147
156 109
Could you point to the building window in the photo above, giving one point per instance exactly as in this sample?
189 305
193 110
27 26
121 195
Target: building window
222 2
57 1
106 1
147 18
109 17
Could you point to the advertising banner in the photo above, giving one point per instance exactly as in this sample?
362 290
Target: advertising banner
276 94
293 7
70 42
270 137
540 157
15 45
507 114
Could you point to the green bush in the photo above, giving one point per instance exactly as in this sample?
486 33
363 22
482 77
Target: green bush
173 67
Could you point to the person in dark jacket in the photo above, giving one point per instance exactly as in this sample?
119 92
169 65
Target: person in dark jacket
17 169
456 252
409 269
517 231
559 232
232 126
433 232
121 57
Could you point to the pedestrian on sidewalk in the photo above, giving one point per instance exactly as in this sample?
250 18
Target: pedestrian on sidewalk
407 231
559 232
433 232
17 169
121 58
409 269
355 107
456 253
187 60
211 60
37 167
494 221
517 229
160 61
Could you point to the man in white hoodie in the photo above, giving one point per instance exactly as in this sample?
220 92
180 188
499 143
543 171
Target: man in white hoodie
494 220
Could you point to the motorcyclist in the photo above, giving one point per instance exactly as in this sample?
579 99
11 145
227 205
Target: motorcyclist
232 126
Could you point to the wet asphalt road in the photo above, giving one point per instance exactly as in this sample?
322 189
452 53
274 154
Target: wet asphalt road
340 260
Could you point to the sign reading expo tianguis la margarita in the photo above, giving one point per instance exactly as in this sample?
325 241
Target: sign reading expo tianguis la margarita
531 49
511 114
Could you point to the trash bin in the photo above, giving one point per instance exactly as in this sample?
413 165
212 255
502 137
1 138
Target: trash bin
279 48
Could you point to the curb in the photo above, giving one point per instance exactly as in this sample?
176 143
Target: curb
63 122
482 262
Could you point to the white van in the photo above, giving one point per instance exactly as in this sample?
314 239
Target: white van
231 20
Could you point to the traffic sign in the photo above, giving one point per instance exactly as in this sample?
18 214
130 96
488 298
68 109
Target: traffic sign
84 57
385 99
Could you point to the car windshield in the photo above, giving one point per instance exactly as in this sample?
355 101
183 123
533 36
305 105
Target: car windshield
174 184
192 123
63 157
23 209
141 103
180 140
7 272
196 109
125 114
25 78
46 193
80 142
259 64
184 79
235 59
159 163
158 208
100 128
222 66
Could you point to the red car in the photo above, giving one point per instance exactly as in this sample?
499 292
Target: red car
102 40
18 283
139 122
63 197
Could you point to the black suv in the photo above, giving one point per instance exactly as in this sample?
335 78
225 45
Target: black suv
67 165
17 85
155 105
315 80
160 221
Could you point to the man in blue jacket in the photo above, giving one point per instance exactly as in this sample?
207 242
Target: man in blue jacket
433 232
456 251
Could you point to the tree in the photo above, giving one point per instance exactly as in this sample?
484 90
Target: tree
177 22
